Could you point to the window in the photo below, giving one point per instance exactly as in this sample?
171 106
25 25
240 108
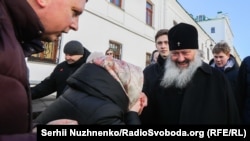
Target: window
201 18
49 55
213 30
148 57
149 13
117 48
117 3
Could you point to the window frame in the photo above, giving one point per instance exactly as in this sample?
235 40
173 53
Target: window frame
148 58
149 13
117 48
49 55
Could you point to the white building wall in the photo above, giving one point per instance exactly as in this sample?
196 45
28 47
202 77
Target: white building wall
102 21
96 29
223 31
219 29
38 71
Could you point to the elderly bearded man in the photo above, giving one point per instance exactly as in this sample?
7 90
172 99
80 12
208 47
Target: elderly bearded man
190 91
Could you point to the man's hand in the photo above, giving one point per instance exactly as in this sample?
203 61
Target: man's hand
59 122
63 122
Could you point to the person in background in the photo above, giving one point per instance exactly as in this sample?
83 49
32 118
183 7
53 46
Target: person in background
24 23
113 97
110 52
75 56
191 92
153 71
244 89
154 56
226 63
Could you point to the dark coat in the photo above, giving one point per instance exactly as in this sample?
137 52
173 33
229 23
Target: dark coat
231 71
244 89
17 19
57 79
92 98
208 99
152 73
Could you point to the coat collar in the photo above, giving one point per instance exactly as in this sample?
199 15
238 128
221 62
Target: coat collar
206 68
161 61
25 20
27 26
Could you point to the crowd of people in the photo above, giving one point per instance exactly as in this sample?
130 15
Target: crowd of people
177 88
188 91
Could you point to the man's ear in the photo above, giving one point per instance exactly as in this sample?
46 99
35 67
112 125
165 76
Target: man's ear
42 3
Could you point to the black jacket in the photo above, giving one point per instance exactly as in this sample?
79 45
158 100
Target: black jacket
206 100
93 97
231 71
244 89
56 82
152 73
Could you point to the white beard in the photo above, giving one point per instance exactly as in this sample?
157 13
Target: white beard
174 76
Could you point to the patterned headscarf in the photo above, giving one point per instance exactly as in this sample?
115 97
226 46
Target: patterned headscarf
128 75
